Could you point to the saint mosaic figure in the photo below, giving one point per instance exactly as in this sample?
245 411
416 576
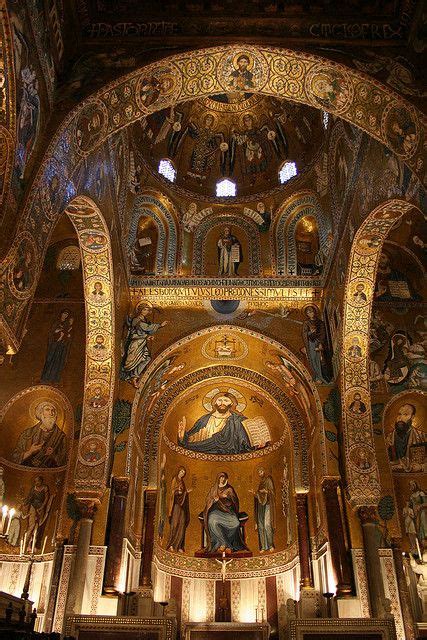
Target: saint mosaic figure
221 518
44 444
221 431
179 512
136 352
58 347
316 345
229 253
265 511
415 516
405 441
36 508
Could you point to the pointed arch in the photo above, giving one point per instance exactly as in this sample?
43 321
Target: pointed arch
164 214
296 76
363 481
290 213
90 478
8 106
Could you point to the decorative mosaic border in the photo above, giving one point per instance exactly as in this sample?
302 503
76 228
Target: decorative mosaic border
260 566
97 263
364 484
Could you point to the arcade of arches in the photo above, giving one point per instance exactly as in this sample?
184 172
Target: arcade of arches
212 407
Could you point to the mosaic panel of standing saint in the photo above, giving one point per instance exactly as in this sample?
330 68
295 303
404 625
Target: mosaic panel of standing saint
36 425
405 433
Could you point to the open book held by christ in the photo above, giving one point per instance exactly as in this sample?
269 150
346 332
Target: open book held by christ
258 431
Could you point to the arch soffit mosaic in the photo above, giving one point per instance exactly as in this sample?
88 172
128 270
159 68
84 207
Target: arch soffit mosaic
299 77
248 227
363 478
95 247
8 105
288 214
142 394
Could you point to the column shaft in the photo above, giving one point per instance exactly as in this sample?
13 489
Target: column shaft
369 520
303 540
405 602
339 555
115 533
148 538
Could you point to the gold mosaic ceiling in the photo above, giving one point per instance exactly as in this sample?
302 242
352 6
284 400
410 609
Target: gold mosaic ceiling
240 136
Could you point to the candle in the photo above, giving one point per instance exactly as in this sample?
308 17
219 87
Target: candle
256 614
11 514
262 614
3 517
420 555
21 547
24 544
44 544
34 540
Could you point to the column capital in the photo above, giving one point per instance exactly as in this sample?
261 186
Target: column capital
330 484
87 508
120 484
368 515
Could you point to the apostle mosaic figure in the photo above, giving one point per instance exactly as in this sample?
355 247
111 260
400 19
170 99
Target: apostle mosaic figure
316 345
265 511
405 440
222 430
179 512
221 518
44 444
36 508
415 516
229 253
58 347
136 352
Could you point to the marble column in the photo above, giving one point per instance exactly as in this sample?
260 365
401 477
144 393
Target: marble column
78 575
58 557
369 519
115 533
405 601
150 497
306 581
339 556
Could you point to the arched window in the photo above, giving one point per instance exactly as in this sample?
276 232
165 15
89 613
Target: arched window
167 170
287 171
225 188
68 258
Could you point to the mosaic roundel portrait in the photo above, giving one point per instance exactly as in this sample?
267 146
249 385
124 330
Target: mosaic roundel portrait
21 271
329 88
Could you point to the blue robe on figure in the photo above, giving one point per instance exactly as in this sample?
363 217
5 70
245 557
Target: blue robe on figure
232 438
